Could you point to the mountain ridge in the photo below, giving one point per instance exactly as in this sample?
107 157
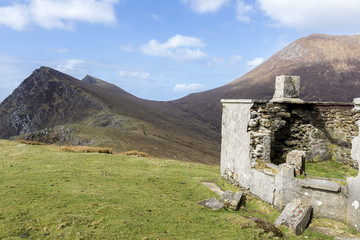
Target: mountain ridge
187 128
48 98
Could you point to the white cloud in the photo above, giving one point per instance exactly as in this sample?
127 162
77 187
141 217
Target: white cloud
255 62
51 14
15 16
181 87
69 65
128 48
215 62
57 50
178 47
130 74
314 15
242 11
205 6
235 59
155 17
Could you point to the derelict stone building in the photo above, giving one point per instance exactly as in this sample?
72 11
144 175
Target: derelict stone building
265 145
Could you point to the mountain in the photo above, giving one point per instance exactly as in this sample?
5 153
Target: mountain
51 106
328 66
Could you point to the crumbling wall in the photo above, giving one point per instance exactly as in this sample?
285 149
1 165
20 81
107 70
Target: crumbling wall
324 131
257 137
252 130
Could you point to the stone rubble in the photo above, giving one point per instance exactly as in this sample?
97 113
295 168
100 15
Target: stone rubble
296 216
227 198
212 203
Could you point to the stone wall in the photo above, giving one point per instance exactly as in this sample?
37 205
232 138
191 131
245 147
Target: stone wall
257 135
323 130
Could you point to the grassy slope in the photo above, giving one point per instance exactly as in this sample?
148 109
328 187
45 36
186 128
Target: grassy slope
159 128
168 128
47 194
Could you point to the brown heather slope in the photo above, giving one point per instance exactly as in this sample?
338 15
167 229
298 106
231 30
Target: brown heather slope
328 66
48 98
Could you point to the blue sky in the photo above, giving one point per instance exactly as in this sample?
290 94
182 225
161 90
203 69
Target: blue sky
158 49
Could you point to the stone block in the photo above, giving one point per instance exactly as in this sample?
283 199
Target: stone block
295 216
300 219
297 158
287 87
321 185
231 200
212 203
356 103
263 186
287 212
287 187
227 197
235 203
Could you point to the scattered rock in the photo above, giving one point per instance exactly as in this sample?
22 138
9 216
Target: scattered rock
235 203
231 200
287 212
227 197
212 203
295 216
296 158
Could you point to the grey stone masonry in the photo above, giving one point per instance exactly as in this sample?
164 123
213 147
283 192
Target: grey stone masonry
323 130
297 158
287 88
264 144
357 104
321 185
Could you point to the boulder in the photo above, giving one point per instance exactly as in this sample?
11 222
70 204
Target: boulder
295 216
297 158
212 203
231 200
235 202
227 197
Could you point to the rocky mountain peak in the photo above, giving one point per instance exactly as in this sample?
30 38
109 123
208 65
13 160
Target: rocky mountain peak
43 99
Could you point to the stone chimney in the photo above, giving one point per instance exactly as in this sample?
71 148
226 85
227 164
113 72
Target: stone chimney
356 104
287 89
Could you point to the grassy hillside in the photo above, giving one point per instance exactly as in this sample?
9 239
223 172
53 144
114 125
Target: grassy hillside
48 99
49 194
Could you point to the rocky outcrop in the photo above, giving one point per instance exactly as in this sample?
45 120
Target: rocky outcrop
49 98
46 98
60 135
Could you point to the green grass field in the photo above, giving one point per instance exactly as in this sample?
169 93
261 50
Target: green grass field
330 169
49 194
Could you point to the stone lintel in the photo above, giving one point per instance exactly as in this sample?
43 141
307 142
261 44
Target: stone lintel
321 185
287 100
243 101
